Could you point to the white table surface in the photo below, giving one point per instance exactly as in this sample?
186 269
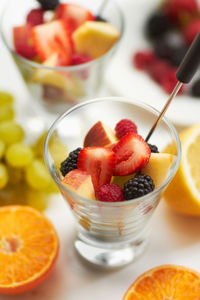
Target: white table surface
174 239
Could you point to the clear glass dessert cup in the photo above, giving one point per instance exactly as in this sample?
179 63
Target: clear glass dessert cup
110 234
59 88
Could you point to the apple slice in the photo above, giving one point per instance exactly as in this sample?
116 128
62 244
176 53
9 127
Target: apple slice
95 38
158 167
79 182
100 135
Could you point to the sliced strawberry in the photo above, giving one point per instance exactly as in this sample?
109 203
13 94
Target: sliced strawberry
73 14
22 41
132 153
99 162
35 17
53 37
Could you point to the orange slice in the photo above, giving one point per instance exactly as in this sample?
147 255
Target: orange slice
28 248
166 282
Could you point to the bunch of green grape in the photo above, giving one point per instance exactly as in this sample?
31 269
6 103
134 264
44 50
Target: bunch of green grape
24 177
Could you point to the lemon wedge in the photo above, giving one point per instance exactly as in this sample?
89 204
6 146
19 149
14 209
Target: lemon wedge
183 193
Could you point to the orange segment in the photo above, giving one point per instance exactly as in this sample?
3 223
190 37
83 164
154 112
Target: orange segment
166 282
28 248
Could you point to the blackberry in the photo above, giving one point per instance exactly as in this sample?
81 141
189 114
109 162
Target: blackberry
48 4
100 19
154 148
157 25
138 186
70 163
195 89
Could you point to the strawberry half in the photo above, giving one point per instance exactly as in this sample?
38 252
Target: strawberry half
132 154
73 14
22 41
53 37
99 162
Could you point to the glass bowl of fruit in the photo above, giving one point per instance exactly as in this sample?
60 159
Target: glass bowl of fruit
112 179
61 48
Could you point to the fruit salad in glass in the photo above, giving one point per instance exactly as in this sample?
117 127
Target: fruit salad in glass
112 178
61 48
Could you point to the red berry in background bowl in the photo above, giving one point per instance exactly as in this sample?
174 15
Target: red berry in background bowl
142 59
158 70
110 193
124 126
175 8
191 31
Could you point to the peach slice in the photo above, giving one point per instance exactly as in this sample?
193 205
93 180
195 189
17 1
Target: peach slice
79 182
95 38
48 76
100 135
158 167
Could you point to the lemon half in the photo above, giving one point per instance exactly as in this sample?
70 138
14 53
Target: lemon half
183 193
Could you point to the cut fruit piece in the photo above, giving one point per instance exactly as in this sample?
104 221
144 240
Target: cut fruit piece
73 14
3 176
95 38
158 167
165 282
53 37
23 43
183 192
121 180
28 249
48 76
132 154
99 135
99 163
80 182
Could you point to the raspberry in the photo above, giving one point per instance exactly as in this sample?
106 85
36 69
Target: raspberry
70 163
35 17
158 70
142 59
138 186
191 31
110 193
124 126
177 8
169 81
78 58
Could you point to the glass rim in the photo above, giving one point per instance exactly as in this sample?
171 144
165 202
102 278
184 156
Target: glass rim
63 68
120 100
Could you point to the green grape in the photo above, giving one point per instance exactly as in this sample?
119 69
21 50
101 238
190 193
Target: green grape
58 150
16 175
3 176
19 155
2 149
5 98
38 147
37 175
11 132
37 199
6 112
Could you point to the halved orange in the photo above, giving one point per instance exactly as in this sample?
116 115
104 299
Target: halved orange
28 248
166 282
